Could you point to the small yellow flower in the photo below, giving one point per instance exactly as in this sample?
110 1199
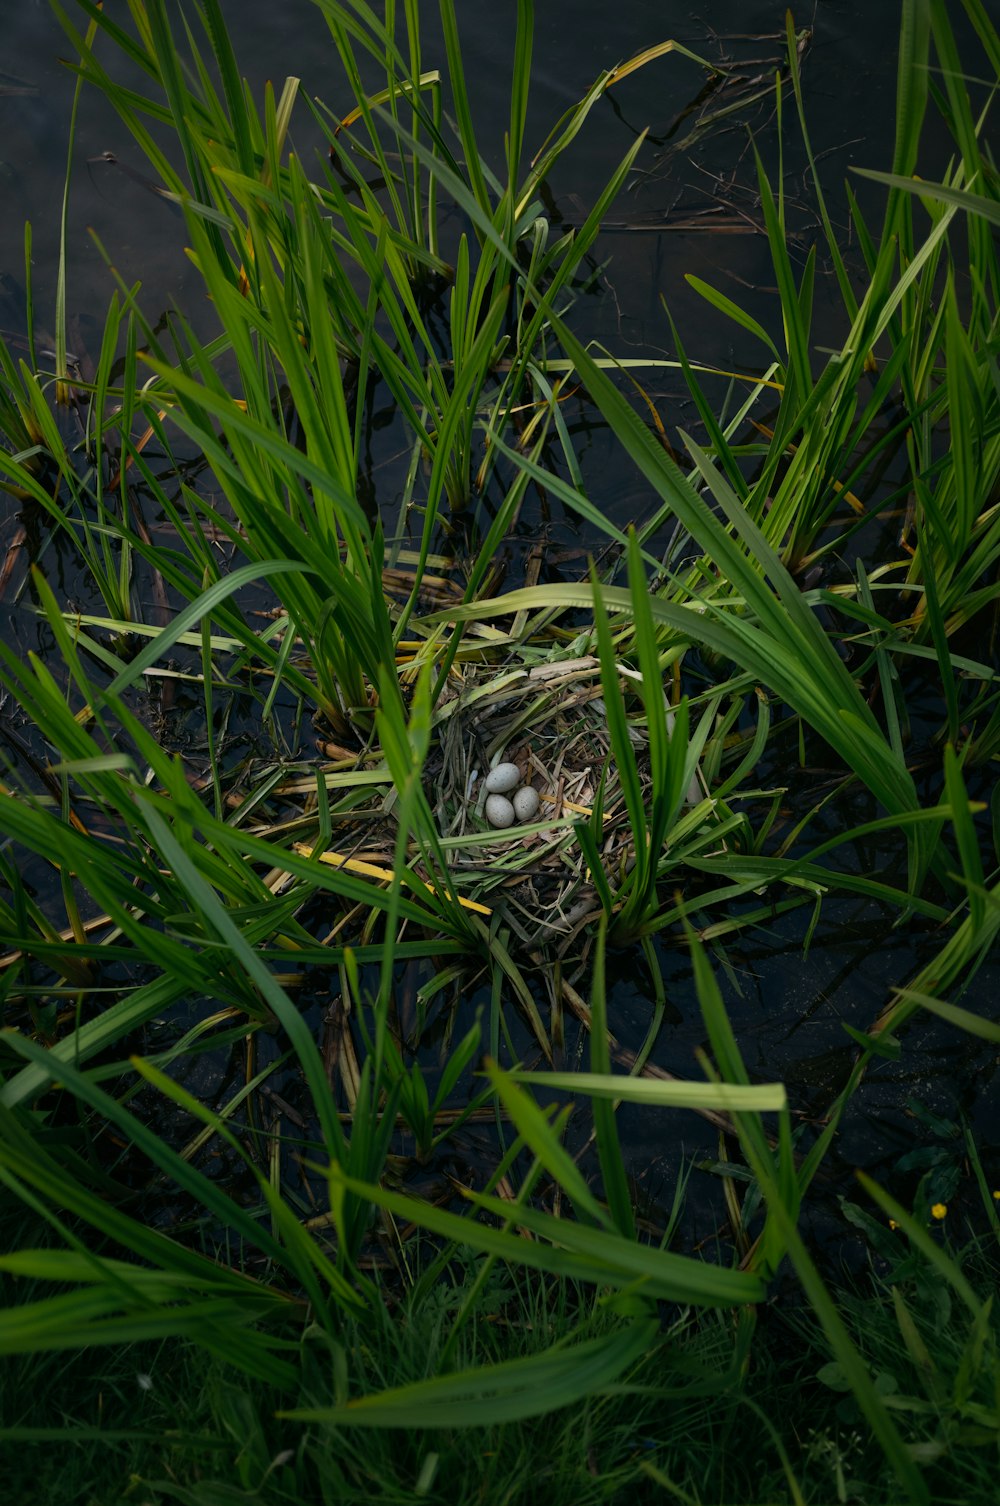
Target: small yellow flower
997 1196
893 1224
939 1210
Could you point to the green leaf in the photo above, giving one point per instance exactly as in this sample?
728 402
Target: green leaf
493 1394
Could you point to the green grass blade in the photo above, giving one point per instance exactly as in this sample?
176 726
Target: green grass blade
492 1394
616 1185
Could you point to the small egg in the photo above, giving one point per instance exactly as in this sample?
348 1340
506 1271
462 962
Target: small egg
526 803
504 778
499 811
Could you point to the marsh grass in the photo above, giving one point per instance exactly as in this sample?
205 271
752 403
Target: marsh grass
370 855
192 1429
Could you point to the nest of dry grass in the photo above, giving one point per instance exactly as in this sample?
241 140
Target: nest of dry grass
547 715
549 719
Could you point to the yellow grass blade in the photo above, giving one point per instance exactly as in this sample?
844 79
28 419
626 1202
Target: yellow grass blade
370 870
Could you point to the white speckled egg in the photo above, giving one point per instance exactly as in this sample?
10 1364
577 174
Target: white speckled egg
526 803
499 811
501 780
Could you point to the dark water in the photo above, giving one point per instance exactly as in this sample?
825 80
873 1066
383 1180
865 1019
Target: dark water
788 1009
849 70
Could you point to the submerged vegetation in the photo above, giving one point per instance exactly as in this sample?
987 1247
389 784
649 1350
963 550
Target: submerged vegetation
288 1099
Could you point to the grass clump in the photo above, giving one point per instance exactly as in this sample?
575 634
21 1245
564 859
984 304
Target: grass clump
698 1416
360 1301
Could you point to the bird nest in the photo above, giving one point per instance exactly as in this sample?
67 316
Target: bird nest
549 719
547 715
